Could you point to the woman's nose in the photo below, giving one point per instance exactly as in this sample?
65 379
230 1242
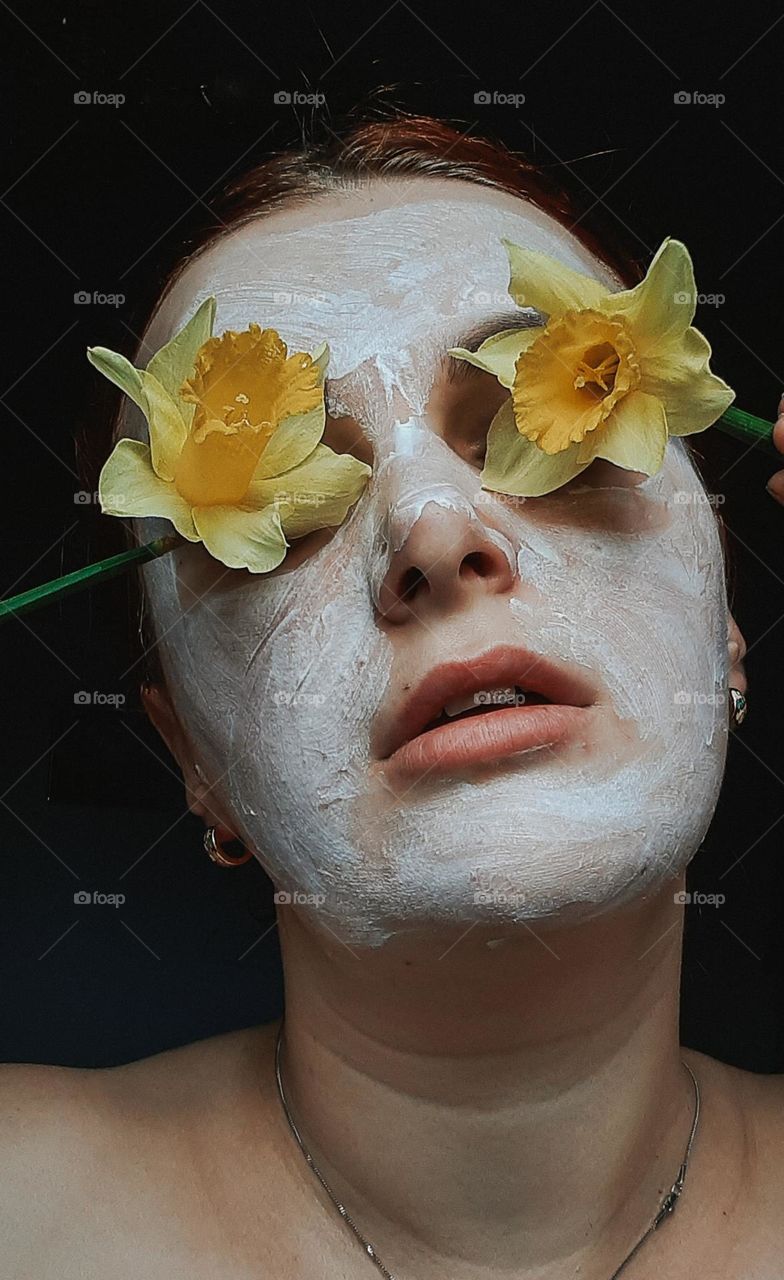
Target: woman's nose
448 558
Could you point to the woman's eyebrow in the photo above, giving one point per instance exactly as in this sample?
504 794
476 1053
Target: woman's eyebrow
527 319
485 328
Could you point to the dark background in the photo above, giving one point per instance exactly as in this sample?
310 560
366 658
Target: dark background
103 198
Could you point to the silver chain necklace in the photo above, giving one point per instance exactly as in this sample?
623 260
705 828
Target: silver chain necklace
665 1209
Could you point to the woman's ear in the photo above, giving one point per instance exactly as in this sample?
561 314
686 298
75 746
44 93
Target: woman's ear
736 650
159 708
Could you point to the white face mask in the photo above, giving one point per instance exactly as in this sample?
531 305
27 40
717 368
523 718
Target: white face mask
281 682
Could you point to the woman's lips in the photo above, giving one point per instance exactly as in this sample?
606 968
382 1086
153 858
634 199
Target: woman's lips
412 745
483 739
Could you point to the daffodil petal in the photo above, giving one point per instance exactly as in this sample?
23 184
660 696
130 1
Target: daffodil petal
635 434
661 307
537 280
314 495
291 443
128 486
321 357
498 354
175 361
517 466
242 538
168 431
166 426
119 371
679 375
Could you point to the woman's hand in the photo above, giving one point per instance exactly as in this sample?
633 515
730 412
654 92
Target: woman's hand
775 485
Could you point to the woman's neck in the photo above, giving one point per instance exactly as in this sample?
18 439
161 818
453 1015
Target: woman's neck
494 1106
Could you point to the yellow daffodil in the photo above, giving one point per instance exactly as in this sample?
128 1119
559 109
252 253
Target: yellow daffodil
234 459
611 375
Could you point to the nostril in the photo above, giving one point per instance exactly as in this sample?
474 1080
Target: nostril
477 562
410 583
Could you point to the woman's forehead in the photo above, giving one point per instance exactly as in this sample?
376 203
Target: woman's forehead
370 272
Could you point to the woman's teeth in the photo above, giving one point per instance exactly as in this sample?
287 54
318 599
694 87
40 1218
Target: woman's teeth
509 696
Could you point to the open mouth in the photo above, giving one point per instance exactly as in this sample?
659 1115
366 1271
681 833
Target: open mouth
504 701
484 703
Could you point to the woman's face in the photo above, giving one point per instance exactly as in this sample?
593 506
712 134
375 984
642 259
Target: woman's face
295 690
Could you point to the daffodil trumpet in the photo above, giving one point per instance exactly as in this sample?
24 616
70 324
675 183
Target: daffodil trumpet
235 459
647 348
604 374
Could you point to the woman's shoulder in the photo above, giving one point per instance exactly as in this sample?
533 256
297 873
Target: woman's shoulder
33 1097
744 1116
89 1155
759 1097
86 1151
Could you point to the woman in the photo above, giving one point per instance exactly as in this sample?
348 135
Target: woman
481 942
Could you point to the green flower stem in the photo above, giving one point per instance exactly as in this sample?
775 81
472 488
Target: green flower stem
734 422
752 431
36 597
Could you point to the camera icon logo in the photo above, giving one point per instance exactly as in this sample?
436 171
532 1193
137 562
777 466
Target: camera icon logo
81 897
82 298
681 97
683 897
282 97
482 96
82 698
82 97
282 896
682 298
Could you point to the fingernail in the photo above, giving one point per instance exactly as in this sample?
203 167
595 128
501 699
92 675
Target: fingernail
775 487
733 650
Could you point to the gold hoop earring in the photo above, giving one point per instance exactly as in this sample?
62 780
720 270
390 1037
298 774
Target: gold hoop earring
214 849
738 708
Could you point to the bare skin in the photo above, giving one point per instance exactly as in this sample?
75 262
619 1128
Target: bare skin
181 1165
514 1112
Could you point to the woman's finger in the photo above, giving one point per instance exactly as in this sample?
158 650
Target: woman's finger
775 485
